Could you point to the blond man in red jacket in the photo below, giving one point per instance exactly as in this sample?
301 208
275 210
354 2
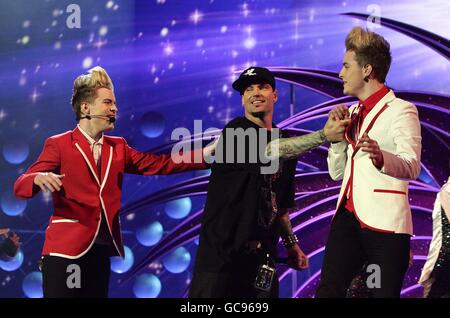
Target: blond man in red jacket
83 169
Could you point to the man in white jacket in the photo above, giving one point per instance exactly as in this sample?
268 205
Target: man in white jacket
435 276
380 154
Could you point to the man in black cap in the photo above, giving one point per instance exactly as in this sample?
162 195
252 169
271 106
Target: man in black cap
246 209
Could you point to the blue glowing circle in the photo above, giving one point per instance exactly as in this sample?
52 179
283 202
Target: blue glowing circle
11 205
177 261
119 265
32 285
147 286
150 234
12 264
152 124
15 152
179 208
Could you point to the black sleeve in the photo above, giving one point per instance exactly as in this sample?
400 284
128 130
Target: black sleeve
229 162
287 185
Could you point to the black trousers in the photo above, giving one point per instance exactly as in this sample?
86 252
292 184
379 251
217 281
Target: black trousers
239 283
440 287
60 274
350 247
229 285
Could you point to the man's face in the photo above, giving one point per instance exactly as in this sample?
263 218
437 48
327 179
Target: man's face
104 105
352 74
259 98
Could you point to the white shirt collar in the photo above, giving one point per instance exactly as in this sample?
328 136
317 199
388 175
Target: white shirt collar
89 138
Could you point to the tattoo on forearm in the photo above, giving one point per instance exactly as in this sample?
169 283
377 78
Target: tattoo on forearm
295 146
284 225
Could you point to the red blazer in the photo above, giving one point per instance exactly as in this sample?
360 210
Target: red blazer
76 218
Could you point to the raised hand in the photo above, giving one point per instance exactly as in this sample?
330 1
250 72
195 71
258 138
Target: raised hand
339 112
334 129
371 146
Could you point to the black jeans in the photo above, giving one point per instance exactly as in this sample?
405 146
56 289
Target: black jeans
239 283
59 274
350 247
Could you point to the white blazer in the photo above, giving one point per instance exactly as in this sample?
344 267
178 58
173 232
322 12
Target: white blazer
380 197
436 241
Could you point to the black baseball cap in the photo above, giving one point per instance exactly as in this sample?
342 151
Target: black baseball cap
253 75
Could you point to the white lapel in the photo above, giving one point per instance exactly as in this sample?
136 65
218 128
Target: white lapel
107 154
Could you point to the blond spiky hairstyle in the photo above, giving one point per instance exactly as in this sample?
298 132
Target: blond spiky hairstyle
370 48
85 87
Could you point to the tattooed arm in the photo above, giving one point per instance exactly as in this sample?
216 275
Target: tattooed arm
284 225
292 147
296 258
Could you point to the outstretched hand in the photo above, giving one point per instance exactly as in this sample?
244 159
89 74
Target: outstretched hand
49 181
334 129
339 112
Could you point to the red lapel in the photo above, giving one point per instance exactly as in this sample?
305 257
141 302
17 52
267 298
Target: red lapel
374 119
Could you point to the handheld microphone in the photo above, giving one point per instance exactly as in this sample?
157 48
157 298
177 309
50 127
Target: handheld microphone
111 119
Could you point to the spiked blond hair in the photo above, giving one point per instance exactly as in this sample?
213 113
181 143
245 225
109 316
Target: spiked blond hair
370 48
85 88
